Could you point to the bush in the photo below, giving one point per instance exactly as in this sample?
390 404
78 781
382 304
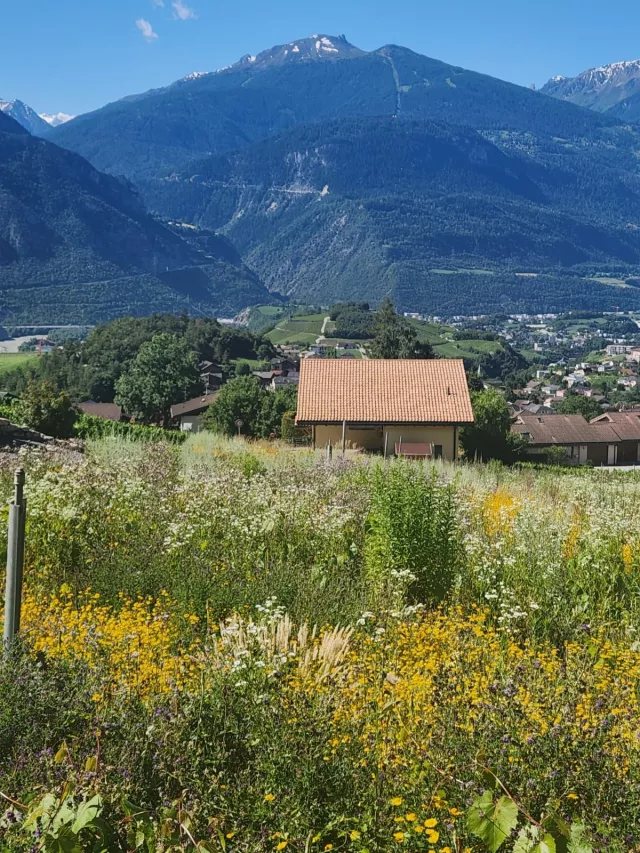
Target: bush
47 410
289 431
412 532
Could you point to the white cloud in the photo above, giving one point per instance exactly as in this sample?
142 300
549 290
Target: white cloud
182 11
146 29
158 3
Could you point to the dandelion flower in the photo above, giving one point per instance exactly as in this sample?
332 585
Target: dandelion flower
269 798
396 801
399 837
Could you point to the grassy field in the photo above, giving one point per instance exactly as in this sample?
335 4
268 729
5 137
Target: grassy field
466 349
232 646
430 333
303 329
10 360
254 363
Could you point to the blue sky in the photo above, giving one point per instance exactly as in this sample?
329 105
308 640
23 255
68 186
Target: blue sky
76 55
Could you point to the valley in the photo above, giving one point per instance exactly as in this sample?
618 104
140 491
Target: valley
317 171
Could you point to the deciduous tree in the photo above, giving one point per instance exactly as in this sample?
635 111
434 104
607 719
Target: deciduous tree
164 372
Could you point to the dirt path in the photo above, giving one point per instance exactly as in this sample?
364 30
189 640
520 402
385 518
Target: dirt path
322 336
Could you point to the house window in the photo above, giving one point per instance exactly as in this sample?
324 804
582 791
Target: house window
437 451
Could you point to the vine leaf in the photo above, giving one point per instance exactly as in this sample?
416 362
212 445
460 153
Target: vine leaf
491 821
577 841
531 840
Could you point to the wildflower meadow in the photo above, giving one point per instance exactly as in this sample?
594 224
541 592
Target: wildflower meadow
232 646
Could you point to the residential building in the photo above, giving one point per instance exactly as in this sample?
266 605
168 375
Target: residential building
211 376
617 349
385 404
108 411
284 379
627 427
190 412
598 442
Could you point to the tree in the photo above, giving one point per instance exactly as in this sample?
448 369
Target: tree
394 337
44 408
489 436
288 429
274 407
164 372
576 404
242 399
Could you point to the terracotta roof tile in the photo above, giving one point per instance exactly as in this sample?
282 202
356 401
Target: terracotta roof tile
383 391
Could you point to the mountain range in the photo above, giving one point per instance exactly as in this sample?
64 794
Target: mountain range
612 89
337 173
36 123
79 246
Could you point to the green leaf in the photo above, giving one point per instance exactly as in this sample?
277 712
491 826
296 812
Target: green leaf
64 841
86 813
64 816
42 810
529 841
577 841
492 822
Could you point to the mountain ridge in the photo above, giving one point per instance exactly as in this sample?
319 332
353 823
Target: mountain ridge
363 174
150 134
68 233
605 88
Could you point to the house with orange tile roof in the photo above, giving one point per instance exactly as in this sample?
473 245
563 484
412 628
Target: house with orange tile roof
406 407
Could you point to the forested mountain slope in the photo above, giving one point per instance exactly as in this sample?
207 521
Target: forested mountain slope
374 206
151 134
343 173
67 232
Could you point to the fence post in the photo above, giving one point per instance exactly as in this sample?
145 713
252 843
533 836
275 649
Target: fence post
15 562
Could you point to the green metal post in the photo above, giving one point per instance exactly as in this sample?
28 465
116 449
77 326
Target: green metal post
15 562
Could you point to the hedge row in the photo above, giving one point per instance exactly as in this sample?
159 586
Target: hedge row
91 426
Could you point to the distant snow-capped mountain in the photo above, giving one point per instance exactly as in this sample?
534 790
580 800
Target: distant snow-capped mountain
311 48
24 115
36 124
314 47
604 89
56 119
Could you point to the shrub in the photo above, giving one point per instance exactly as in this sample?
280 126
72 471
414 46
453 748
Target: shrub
412 532
44 408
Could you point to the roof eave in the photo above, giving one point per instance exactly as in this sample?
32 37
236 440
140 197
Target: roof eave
323 422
